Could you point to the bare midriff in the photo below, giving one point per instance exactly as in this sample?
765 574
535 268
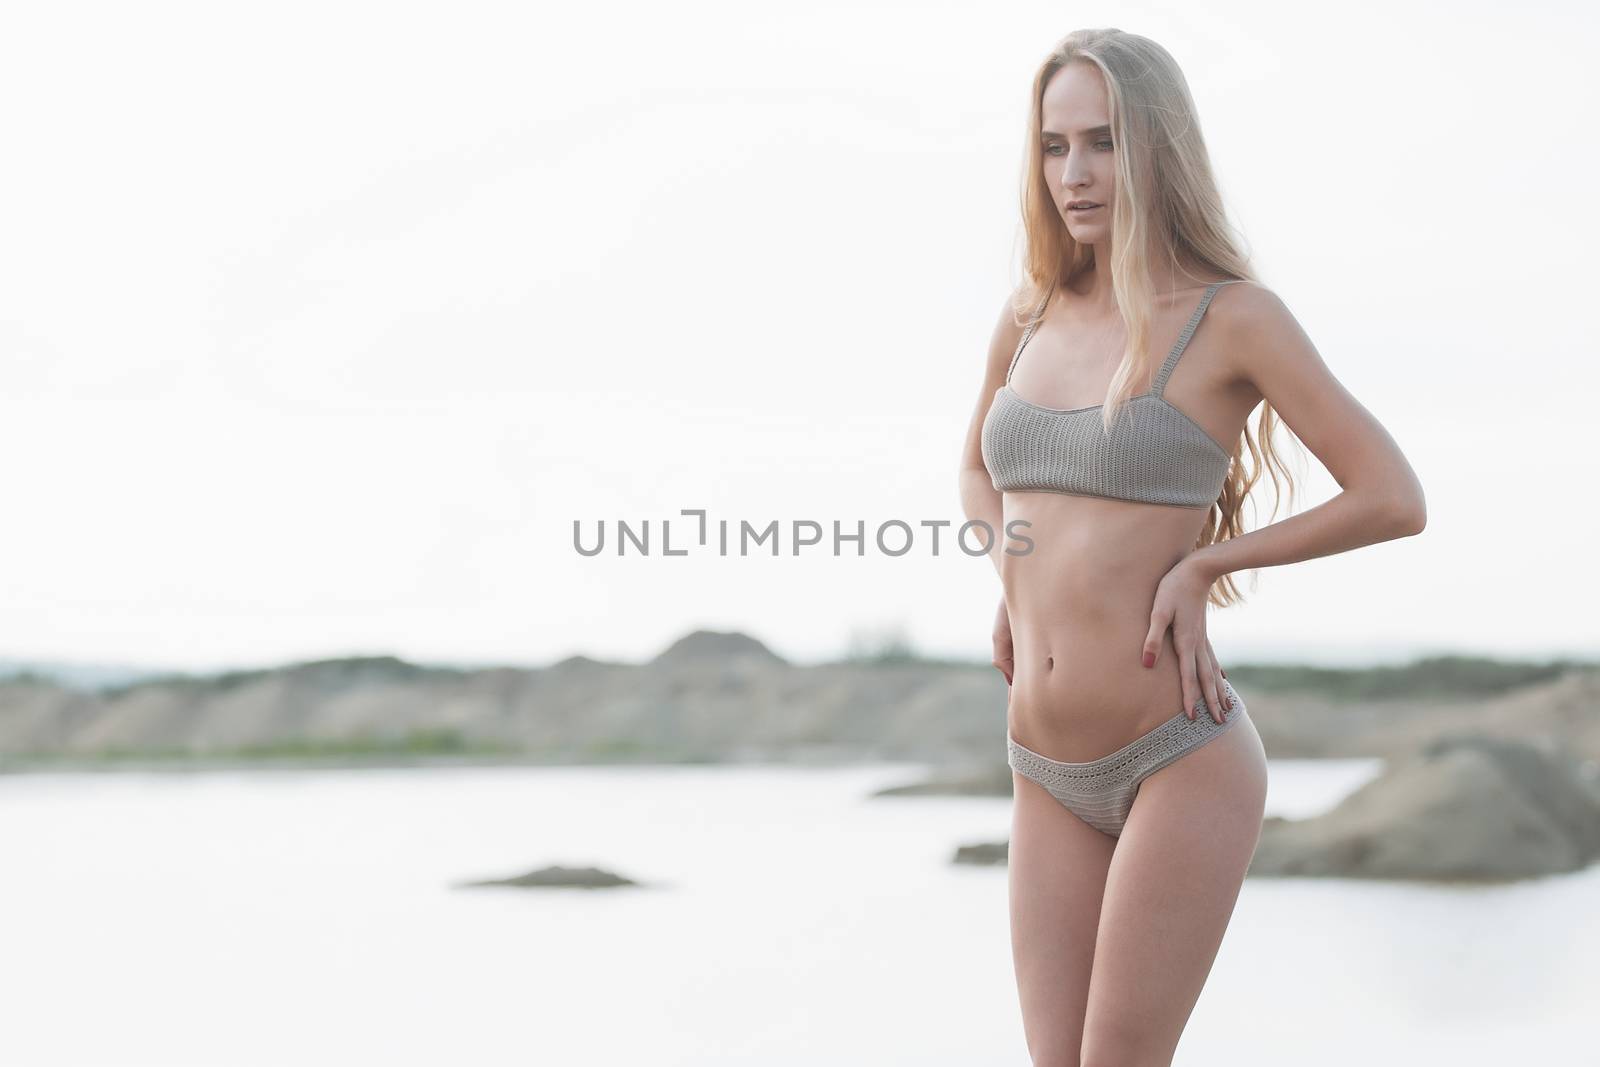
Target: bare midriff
1079 604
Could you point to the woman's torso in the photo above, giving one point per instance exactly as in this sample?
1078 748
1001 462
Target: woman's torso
1079 601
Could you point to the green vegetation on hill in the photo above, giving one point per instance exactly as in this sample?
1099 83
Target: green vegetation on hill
1434 676
340 671
1429 677
416 743
437 742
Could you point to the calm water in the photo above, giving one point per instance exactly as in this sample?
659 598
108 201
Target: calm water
307 917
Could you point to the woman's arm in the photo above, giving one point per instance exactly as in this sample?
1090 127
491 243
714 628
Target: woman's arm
1380 499
980 500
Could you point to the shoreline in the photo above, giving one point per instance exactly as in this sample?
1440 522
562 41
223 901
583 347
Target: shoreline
204 763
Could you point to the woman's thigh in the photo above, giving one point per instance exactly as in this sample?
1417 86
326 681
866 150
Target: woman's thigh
1056 872
1170 891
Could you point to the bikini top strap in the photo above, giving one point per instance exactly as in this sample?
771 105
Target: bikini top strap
1188 332
1032 325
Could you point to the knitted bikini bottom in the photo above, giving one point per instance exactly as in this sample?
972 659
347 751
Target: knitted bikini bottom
1101 791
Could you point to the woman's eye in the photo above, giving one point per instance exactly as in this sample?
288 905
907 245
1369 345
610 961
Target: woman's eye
1050 149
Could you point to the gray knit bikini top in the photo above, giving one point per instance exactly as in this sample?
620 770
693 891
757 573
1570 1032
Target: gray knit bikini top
1153 454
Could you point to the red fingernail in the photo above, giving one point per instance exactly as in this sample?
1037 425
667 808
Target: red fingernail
1149 659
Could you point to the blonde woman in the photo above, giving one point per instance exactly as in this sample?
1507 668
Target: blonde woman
1114 427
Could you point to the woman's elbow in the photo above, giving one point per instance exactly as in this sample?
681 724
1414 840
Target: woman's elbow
1409 516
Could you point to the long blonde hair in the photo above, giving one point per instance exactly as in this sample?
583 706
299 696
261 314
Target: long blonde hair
1167 203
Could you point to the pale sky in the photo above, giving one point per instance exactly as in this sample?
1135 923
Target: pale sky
323 322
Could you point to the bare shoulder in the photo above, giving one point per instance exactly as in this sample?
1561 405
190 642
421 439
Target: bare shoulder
1257 329
1249 305
1007 333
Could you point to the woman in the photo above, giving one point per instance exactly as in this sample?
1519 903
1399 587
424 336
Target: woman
1139 779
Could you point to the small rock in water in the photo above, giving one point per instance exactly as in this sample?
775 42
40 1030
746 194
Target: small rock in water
985 855
569 877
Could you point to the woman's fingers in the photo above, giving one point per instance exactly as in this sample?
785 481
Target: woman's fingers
1160 621
1222 703
1199 673
1002 642
1212 680
1198 680
1188 679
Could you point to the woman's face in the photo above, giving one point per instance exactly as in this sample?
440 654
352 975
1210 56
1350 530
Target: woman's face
1079 158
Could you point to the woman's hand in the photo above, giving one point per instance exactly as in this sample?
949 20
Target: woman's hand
1181 605
1002 642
